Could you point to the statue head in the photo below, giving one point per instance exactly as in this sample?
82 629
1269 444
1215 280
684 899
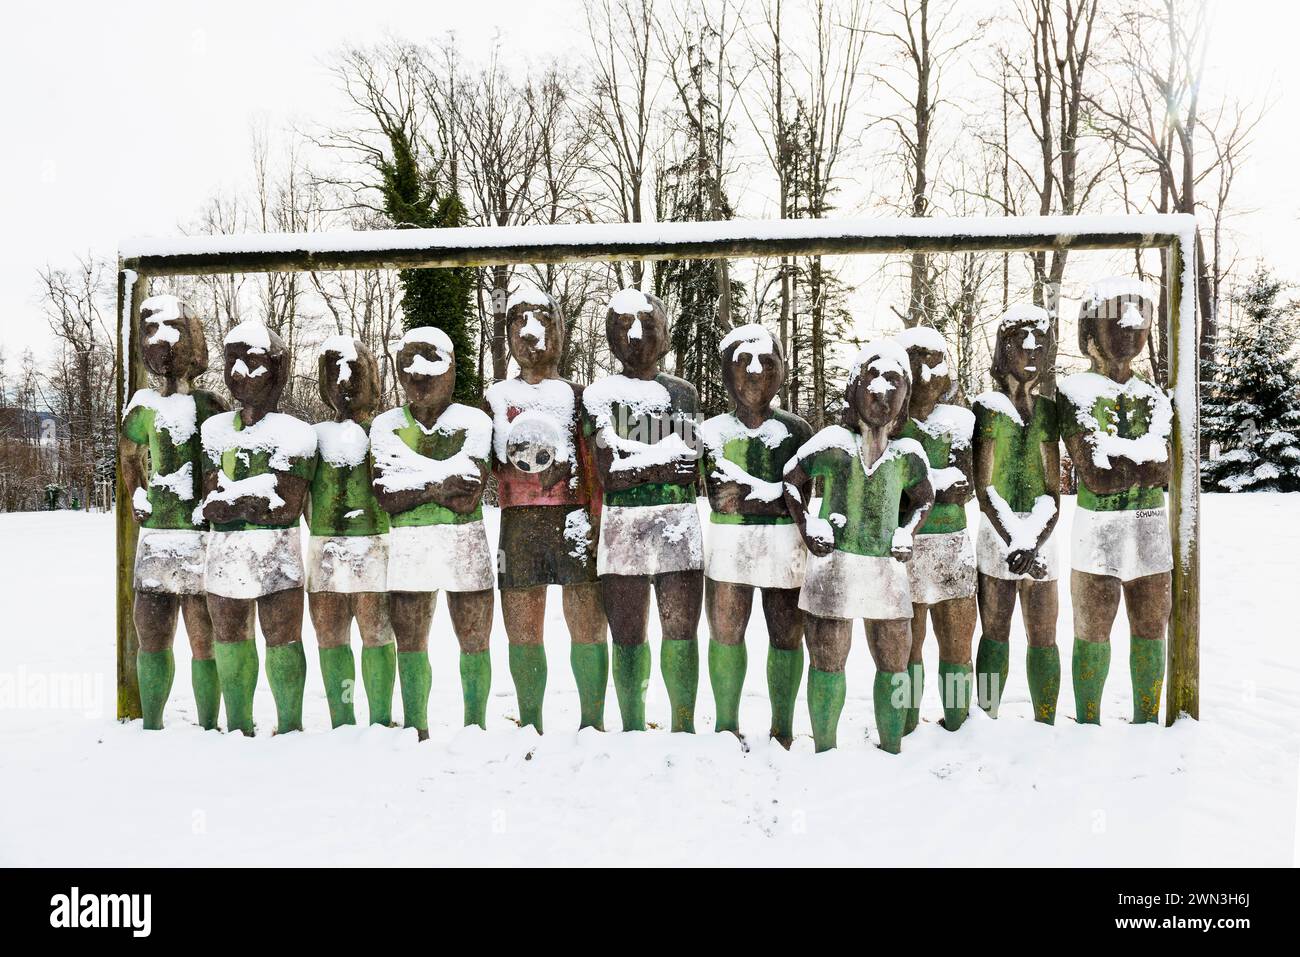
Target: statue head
173 345
753 367
636 325
927 357
257 365
879 388
426 366
1022 345
348 377
1115 320
535 332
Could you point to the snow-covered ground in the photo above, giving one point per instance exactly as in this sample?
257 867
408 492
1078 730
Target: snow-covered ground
76 787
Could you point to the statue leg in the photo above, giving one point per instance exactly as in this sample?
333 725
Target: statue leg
203 666
784 658
890 642
589 651
280 615
412 614
524 613
1039 605
916 666
828 652
727 607
331 618
997 601
627 607
954 627
378 654
1096 600
1147 601
680 596
471 619
235 651
155 663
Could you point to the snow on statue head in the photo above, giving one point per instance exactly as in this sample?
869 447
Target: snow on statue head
535 331
172 335
1022 345
879 388
753 366
348 377
1115 320
927 357
426 366
256 365
535 442
636 325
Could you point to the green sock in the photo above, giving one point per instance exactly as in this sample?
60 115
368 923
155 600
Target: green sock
916 674
890 693
727 664
1091 662
528 668
1146 665
956 684
992 663
338 670
1043 667
207 691
379 674
784 670
286 673
679 661
155 670
825 702
631 667
475 686
590 663
415 676
237 670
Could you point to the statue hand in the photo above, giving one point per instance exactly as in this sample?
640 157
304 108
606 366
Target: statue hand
1020 560
901 553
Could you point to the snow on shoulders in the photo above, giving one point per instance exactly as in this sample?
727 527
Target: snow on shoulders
176 413
551 397
630 302
473 422
400 468
283 436
1115 286
427 335
1000 403
342 444
249 333
831 437
639 396
951 422
922 337
1084 390
716 432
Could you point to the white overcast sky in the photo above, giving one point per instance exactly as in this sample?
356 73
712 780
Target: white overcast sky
120 119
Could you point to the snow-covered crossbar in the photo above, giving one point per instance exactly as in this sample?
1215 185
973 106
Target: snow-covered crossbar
140 259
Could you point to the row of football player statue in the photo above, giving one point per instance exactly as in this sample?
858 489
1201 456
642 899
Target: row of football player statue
598 494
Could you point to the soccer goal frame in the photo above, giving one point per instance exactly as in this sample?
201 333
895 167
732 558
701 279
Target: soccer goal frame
141 260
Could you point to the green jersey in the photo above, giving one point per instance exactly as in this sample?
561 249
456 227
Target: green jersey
168 428
253 455
1131 420
342 497
1018 473
408 456
860 504
753 458
947 431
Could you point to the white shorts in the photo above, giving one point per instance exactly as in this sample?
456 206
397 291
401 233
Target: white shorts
260 561
765 556
347 563
649 539
942 567
992 554
1124 545
439 558
845 585
170 561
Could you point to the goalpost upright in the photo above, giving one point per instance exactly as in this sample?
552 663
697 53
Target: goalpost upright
140 260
